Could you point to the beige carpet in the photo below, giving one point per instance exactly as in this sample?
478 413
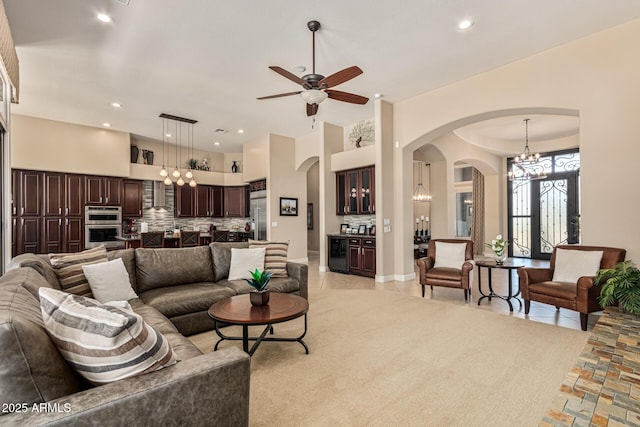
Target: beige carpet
386 359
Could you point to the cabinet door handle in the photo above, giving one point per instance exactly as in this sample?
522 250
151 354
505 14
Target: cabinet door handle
106 200
22 210
59 222
140 212
66 211
59 211
67 221
100 199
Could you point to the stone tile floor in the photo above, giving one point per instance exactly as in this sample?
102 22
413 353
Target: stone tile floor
539 312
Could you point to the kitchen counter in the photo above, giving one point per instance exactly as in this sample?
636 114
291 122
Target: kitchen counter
346 236
171 240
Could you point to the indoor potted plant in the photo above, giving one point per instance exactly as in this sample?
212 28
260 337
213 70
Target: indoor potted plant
259 280
621 284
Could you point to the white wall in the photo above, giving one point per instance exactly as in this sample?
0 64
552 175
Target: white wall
313 197
57 146
595 76
255 155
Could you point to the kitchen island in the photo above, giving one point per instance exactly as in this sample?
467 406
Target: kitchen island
172 240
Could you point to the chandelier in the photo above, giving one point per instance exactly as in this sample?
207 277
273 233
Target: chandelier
526 165
180 125
421 194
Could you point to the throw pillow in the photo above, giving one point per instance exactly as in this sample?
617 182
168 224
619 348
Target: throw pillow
68 268
275 256
450 255
570 265
102 342
245 260
109 281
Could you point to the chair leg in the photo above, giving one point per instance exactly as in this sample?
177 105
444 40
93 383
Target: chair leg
557 308
527 306
431 287
583 320
466 295
423 287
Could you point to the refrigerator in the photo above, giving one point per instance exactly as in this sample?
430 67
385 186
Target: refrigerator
258 210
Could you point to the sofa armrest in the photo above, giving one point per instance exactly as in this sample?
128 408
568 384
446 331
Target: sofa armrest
588 295
211 389
528 275
424 264
300 272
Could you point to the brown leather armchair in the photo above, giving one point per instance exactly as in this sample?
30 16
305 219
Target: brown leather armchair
536 284
445 276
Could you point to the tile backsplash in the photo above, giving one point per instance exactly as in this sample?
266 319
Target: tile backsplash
161 218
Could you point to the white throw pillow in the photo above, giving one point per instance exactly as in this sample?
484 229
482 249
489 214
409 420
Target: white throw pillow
450 255
573 264
109 281
245 260
102 342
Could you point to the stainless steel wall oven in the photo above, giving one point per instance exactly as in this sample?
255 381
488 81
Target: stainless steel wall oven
102 224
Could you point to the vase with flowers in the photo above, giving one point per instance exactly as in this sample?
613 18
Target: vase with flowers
499 247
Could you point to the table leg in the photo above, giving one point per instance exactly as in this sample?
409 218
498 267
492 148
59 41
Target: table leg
245 338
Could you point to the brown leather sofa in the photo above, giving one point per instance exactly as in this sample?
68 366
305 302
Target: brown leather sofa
536 284
444 276
175 289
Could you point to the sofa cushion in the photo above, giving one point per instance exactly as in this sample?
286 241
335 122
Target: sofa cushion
245 261
570 265
184 299
275 257
103 342
40 263
68 267
128 257
278 284
32 370
109 281
221 256
159 268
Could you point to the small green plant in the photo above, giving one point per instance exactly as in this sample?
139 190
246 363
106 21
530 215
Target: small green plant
259 279
621 284
192 163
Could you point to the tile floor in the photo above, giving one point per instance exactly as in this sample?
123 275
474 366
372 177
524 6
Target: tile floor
539 312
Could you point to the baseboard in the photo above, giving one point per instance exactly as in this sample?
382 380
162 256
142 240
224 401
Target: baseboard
323 269
382 279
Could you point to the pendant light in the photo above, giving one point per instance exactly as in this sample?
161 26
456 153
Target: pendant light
178 122
421 194
163 170
526 165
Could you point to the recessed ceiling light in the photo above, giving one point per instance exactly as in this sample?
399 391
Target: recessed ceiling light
465 24
240 130
216 143
107 125
377 95
116 105
168 135
300 69
103 17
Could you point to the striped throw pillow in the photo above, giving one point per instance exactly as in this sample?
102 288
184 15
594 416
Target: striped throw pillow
275 257
102 342
68 268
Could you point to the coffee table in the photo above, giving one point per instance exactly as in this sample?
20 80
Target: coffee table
509 265
237 310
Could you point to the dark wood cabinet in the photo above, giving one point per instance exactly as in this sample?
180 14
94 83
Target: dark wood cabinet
184 201
216 199
362 256
74 234
52 235
30 201
202 201
53 195
234 202
28 235
102 190
355 191
132 193
74 195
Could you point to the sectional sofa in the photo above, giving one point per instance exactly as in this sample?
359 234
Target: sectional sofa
175 289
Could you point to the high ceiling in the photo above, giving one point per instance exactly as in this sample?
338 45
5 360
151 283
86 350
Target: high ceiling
208 59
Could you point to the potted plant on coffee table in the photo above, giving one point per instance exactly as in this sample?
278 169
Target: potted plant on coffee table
259 281
621 284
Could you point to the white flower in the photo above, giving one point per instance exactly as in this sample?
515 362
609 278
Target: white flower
498 237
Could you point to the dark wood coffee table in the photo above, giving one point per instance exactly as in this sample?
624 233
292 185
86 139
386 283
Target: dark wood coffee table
510 265
237 310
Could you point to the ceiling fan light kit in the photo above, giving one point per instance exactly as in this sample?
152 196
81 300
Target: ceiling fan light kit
315 86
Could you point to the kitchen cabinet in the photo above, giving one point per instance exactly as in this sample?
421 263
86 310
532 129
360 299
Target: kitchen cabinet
52 235
184 201
101 190
355 191
132 195
235 202
29 235
30 191
216 199
74 234
202 201
74 195
53 196
362 256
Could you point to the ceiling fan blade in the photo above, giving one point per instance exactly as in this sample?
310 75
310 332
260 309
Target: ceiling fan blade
347 97
312 109
287 74
340 77
280 95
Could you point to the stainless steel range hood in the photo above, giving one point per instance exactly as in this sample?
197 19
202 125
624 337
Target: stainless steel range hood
159 198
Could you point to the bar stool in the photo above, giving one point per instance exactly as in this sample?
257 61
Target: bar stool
152 239
189 239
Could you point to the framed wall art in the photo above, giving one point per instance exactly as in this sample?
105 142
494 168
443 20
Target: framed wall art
288 206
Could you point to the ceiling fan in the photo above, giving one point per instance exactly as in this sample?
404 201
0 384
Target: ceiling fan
316 87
